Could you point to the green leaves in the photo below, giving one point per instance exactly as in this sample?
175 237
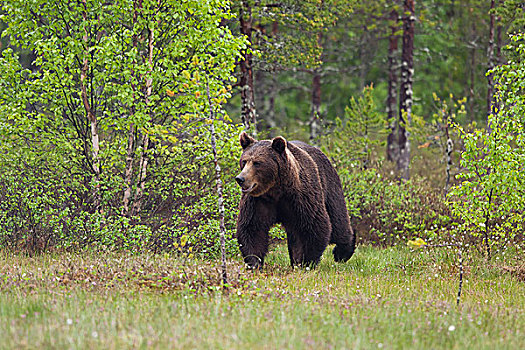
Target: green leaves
357 134
491 192
142 65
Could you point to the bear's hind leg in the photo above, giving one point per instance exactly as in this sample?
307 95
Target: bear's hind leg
342 233
344 249
307 247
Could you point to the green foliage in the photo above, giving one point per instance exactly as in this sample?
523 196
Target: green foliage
450 56
450 111
386 211
286 35
185 201
489 200
352 140
144 68
512 13
383 210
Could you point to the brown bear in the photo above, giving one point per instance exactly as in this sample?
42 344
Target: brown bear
294 184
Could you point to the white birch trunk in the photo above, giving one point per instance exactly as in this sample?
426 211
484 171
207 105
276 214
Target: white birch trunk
491 64
450 148
406 93
218 181
129 170
90 115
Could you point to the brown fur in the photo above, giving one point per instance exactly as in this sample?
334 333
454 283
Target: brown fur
294 184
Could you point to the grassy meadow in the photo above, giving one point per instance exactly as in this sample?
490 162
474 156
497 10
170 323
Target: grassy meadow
389 298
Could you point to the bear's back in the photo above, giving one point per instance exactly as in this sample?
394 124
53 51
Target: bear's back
320 159
330 181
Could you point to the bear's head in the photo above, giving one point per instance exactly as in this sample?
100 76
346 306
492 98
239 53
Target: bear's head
261 163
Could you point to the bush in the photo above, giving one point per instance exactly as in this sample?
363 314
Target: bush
105 141
42 207
384 210
489 200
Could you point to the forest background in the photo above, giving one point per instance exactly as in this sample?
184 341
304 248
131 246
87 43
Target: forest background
114 117
119 124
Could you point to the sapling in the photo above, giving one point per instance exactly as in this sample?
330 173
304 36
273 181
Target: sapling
218 181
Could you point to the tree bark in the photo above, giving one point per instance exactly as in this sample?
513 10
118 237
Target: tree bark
315 125
143 167
472 75
406 92
449 150
91 116
270 105
392 148
499 42
129 169
269 115
490 60
248 112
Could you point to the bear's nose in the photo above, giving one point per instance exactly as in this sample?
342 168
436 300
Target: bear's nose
240 180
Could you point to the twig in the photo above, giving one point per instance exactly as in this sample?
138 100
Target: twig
460 276
460 258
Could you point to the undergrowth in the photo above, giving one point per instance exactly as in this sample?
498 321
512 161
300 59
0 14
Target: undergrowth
391 298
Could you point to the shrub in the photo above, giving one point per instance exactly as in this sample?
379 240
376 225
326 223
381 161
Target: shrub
383 210
112 116
489 199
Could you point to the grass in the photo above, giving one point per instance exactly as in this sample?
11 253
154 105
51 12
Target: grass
390 298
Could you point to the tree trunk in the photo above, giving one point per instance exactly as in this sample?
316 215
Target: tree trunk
392 148
406 98
315 125
490 60
143 162
248 112
499 42
270 108
91 116
449 150
129 170
218 181
472 75
269 114
143 167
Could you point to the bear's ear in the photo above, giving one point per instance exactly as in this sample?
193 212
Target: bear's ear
279 144
246 140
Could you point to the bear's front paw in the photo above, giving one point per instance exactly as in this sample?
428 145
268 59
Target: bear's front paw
253 262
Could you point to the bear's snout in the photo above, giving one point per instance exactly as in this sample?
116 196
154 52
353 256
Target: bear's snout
246 184
240 180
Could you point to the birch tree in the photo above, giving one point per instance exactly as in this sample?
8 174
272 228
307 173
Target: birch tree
392 147
490 60
248 111
110 75
406 91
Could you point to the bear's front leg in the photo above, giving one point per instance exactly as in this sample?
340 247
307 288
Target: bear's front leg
253 226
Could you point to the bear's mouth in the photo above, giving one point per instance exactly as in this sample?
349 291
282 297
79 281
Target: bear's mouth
249 189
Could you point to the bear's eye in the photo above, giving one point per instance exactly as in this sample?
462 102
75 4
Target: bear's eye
243 163
256 164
